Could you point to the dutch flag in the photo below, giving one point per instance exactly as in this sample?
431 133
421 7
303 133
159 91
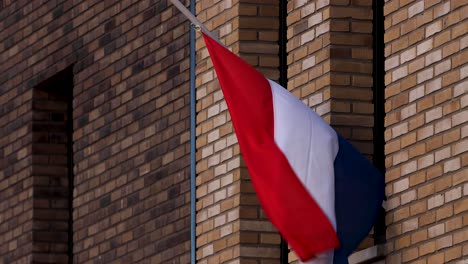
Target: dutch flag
321 194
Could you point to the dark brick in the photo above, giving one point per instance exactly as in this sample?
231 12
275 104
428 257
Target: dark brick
9 42
138 67
111 47
105 131
300 27
160 6
174 191
82 121
109 25
149 14
78 44
58 12
172 72
155 176
68 27
104 40
105 201
133 199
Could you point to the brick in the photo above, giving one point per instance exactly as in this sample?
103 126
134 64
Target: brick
460 89
416 93
460 118
408 111
408 55
453 253
410 225
442 154
451 165
416 65
426 161
460 147
391 63
410 254
433 57
402 242
453 194
444 242
425 132
450 78
444 212
460 206
435 201
415 9
401 214
442 67
427 248
427 218
436 230
453 224
433 114
459 237
425 75
437 258
408 197
424 46
417 179
433 28
401 185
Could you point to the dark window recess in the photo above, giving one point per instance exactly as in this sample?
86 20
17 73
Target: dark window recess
52 152
283 81
379 106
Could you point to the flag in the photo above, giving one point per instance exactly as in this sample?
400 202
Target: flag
321 194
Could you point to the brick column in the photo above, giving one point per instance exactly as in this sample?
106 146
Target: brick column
16 183
330 66
231 227
427 129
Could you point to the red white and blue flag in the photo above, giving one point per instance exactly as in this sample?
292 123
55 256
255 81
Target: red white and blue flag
321 194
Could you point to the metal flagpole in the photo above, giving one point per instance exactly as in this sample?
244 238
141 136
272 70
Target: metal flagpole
193 160
197 25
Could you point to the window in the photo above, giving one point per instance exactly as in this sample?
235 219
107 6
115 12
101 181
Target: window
52 158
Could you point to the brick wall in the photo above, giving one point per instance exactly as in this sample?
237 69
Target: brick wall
15 176
131 126
426 130
231 226
330 67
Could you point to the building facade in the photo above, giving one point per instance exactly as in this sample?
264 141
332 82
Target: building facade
95 120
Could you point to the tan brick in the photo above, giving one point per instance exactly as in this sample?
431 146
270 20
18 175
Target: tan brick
461 206
402 242
437 258
444 212
444 242
410 254
427 248
453 253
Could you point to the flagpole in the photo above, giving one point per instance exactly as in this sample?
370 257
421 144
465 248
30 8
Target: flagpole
198 25
193 150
